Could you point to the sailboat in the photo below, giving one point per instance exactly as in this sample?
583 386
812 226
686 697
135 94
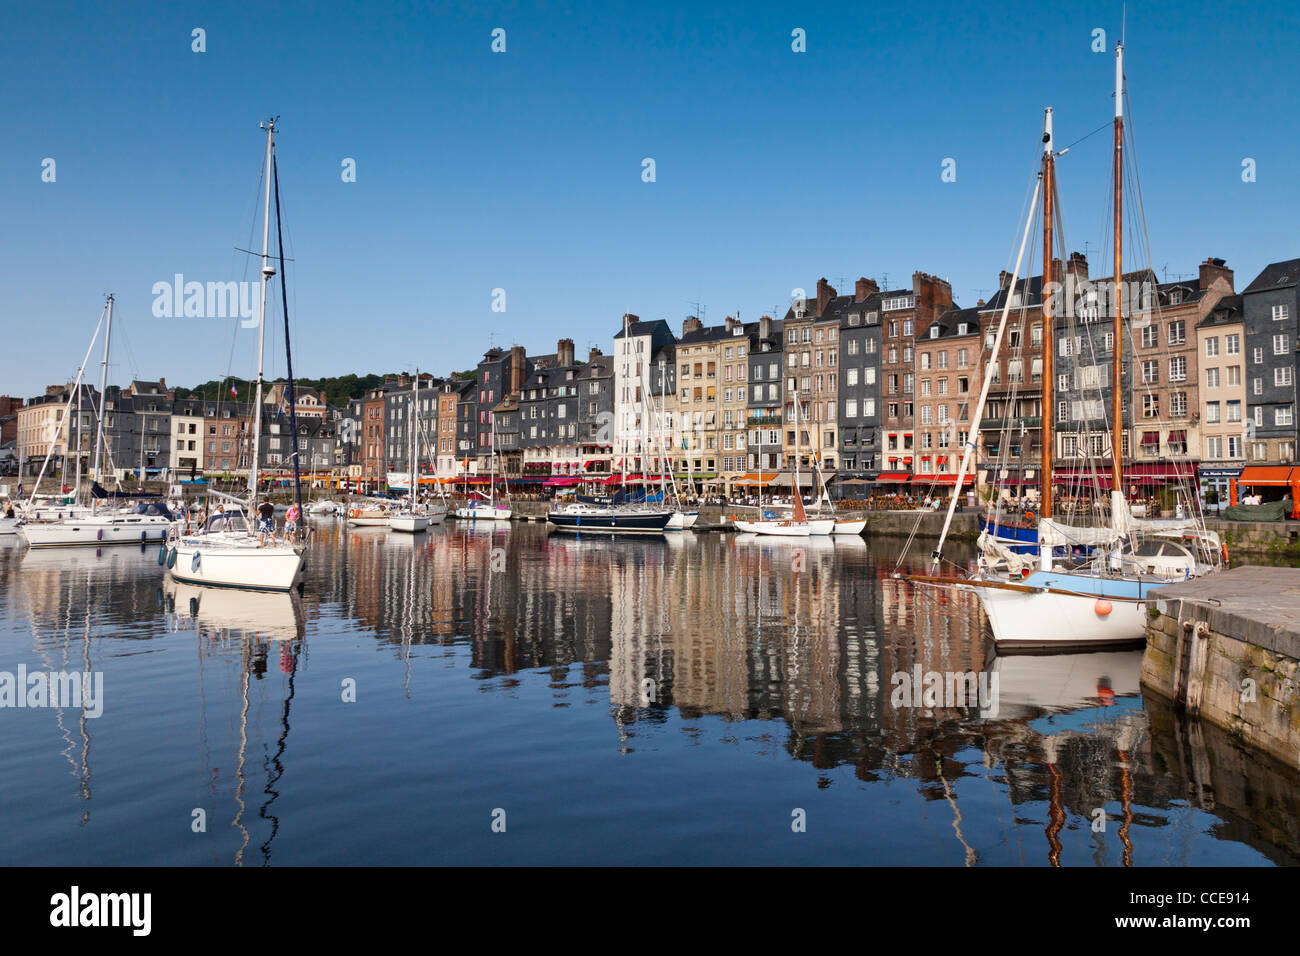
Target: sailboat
799 525
415 517
487 509
83 525
1101 599
226 551
682 518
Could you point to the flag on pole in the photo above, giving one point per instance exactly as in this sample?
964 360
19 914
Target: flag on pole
234 393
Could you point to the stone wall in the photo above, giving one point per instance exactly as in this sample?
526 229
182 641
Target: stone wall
1225 648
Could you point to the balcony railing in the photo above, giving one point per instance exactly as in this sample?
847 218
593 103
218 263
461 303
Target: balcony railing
1030 421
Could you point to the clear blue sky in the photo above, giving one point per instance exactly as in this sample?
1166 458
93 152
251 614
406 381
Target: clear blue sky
522 170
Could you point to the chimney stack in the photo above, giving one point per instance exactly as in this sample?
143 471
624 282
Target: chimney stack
765 327
1004 279
691 324
825 292
1077 266
1212 269
564 352
594 354
865 287
731 323
517 370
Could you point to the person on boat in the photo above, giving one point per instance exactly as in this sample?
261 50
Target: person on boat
9 511
266 511
291 521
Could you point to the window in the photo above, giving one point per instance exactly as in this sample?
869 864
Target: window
961 358
1258 356
1234 412
1151 371
1214 448
1233 343
1108 341
1064 347
1280 344
1282 416
925 361
851 377
851 408
1150 406
1178 404
1177 332
1063 383
853 347
1283 376
1234 375
1062 411
1212 413
1212 347
1258 386
1234 446
868 376
1178 368
1150 336
1069 446
1211 378
1280 313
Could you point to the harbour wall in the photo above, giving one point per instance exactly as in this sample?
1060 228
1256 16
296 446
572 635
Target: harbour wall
1226 649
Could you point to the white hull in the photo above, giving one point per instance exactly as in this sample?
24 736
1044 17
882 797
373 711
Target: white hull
237 562
484 514
1033 619
8 525
372 522
851 526
412 524
71 532
783 529
682 520
272 615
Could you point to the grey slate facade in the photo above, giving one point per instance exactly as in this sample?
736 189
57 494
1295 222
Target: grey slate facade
1270 305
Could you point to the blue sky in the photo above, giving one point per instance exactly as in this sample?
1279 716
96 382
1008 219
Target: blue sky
522 170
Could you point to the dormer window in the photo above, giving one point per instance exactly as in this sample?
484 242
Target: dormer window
934 331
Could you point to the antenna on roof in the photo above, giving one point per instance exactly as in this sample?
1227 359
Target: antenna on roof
884 282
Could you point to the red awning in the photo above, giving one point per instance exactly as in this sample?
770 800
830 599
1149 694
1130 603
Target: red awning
895 476
1159 472
1083 479
944 479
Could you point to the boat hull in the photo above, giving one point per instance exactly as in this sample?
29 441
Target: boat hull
850 527
649 522
1066 610
8 525
781 529
273 568
484 514
682 520
411 524
95 532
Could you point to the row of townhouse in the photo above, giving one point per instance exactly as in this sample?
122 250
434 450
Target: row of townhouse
149 432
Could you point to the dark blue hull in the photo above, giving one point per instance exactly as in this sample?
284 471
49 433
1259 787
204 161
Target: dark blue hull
650 522
1019 540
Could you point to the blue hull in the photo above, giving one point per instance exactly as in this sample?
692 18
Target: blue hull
649 523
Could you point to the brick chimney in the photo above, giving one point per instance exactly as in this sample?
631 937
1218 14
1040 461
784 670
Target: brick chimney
933 297
1212 269
517 370
863 288
765 327
1004 279
825 292
731 324
594 354
1077 266
691 324
564 352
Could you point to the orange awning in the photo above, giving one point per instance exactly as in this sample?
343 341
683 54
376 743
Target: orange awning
754 480
1266 475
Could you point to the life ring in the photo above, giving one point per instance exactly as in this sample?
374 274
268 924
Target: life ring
1029 516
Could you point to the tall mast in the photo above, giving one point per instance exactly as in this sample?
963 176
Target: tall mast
1117 407
268 270
103 387
411 446
1049 328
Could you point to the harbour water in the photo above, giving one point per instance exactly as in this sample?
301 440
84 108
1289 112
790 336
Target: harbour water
484 695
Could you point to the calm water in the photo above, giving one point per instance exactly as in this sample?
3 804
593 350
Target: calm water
624 701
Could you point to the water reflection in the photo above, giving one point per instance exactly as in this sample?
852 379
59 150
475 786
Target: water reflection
652 650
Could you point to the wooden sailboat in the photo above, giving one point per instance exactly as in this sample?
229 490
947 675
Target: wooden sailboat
1101 601
226 551
487 509
798 526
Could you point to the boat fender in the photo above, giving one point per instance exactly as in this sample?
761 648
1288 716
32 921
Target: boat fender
162 554
171 558
1223 550
99 535
1102 607
194 562
144 536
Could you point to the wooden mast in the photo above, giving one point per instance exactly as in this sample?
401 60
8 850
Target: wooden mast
1049 331
1117 407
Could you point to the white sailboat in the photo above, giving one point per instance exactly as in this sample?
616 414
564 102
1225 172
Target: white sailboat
799 525
226 552
94 526
415 517
481 509
1102 599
